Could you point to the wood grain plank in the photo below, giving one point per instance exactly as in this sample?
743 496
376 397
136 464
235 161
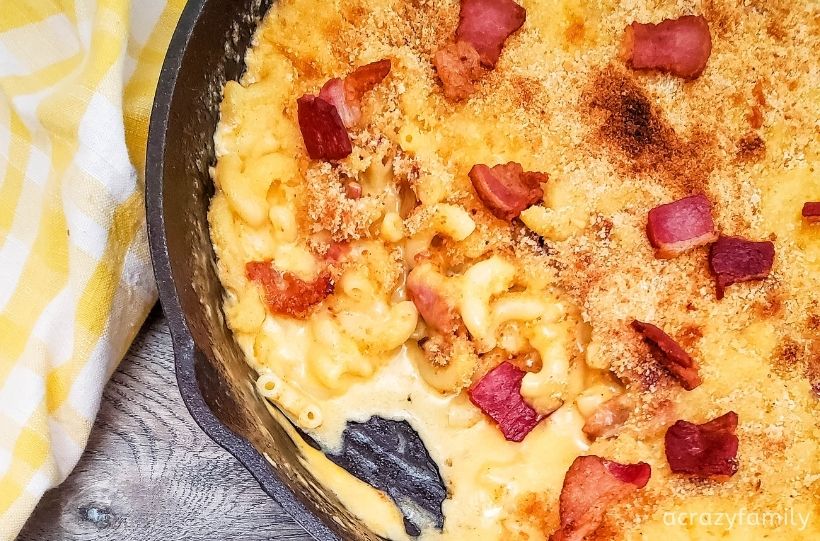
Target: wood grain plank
149 473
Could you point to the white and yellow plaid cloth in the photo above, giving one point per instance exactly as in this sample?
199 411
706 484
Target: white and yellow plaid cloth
77 80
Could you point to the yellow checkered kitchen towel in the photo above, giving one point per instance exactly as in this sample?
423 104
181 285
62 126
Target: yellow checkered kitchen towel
77 80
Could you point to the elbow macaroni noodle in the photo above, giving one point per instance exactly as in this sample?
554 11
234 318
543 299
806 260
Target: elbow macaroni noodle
272 387
480 283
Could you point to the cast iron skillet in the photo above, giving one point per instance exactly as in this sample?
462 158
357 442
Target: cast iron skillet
207 49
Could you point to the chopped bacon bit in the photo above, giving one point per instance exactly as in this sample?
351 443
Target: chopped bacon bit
347 95
608 418
432 306
486 25
681 225
670 355
365 78
336 251
811 212
635 474
735 259
353 190
592 484
459 68
678 46
333 92
287 294
498 394
507 189
322 129
707 450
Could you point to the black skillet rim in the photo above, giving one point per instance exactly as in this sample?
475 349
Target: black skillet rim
183 343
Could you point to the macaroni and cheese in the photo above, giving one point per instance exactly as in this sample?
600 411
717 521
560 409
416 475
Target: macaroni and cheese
384 283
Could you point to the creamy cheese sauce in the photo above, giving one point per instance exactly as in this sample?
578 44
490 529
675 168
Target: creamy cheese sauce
486 475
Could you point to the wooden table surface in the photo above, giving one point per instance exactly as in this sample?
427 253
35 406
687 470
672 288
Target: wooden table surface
149 473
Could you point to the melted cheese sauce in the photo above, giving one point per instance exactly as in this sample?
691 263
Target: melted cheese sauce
486 475
531 109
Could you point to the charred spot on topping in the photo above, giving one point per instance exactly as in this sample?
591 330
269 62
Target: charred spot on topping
775 13
814 383
632 124
751 148
722 21
690 335
790 352
354 14
639 137
528 95
771 306
575 32
799 359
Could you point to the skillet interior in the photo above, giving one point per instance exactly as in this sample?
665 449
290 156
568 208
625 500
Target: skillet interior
207 49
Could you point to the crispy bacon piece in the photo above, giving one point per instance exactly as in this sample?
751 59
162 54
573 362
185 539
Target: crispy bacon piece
365 78
483 27
431 304
322 129
324 119
346 95
708 450
592 484
498 394
678 46
608 418
459 68
333 92
353 190
681 225
287 294
486 25
670 355
811 212
507 189
336 251
735 259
